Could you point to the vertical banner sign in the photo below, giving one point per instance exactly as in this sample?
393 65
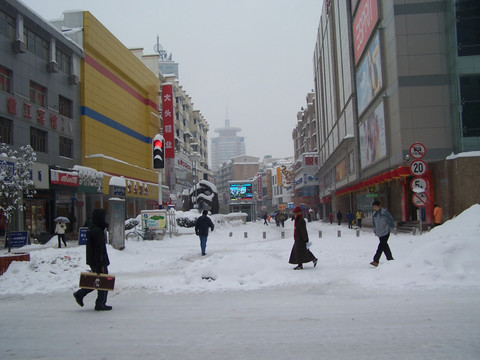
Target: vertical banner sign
168 121
363 24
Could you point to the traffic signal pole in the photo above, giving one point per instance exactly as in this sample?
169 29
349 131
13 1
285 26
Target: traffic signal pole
160 195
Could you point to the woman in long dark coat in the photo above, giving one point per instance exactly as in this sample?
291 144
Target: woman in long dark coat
300 254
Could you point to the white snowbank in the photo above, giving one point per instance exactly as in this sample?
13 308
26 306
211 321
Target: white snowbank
445 257
453 156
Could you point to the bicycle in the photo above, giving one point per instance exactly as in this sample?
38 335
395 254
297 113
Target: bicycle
145 234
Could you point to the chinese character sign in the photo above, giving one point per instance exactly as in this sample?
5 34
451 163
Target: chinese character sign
363 25
168 121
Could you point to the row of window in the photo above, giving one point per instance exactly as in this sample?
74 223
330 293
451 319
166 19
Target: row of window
34 43
37 95
38 139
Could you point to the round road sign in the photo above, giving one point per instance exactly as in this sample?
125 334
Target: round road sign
419 199
417 151
418 184
418 168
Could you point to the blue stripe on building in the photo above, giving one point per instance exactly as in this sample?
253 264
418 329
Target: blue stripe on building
113 124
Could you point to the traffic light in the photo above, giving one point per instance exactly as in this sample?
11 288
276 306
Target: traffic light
158 153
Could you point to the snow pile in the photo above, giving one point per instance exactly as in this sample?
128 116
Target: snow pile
255 256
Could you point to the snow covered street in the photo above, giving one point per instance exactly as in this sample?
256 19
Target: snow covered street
423 305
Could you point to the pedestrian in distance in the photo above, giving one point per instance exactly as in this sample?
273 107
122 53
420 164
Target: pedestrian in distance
359 216
60 231
437 215
339 217
202 224
382 223
350 219
265 217
97 258
300 254
330 218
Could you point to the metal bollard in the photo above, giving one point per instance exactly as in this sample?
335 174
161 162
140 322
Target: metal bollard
414 231
245 235
264 234
339 233
230 234
320 234
283 234
358 233
395 230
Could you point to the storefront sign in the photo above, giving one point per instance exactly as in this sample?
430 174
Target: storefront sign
39 175
17 239
82 236
65 178
182 163
363 24
8 167
118 191
168 120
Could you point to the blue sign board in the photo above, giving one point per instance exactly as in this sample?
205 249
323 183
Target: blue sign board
9 168
18 239
119 191
82 236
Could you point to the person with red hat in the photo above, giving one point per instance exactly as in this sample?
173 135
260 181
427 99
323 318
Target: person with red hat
300 254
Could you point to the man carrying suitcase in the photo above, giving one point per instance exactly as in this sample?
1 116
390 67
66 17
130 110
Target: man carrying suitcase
97 258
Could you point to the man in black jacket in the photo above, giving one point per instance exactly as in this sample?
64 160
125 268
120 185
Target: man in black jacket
201 229
97 258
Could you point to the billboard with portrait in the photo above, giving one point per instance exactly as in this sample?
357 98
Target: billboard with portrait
369 75
241 191
372 137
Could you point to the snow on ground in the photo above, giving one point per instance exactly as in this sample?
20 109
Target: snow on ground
445 257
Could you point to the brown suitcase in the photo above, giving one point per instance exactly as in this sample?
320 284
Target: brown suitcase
97 281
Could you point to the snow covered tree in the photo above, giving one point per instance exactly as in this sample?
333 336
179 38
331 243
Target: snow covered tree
15 180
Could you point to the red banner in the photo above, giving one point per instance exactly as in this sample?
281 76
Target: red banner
168 114
64 178
363 24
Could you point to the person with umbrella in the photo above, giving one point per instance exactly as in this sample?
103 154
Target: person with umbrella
60 230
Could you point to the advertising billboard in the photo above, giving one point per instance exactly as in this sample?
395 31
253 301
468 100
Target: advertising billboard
154 219
168 114
369 76
372 137
363 24
241 191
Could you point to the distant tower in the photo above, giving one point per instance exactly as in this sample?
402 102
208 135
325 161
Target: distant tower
165 63
227 145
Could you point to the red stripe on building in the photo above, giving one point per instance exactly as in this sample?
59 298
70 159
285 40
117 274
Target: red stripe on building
109 75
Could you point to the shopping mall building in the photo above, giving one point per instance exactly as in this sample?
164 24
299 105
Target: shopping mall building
389 74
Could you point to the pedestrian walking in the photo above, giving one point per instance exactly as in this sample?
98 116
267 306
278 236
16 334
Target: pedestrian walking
202 225
97 258
359 216
339 217
300 254
437 215
330 218
382 223
60 231
265 217
350 219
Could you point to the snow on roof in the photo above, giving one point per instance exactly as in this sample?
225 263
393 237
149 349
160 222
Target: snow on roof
453 156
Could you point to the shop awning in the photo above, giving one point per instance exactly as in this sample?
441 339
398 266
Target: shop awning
400 172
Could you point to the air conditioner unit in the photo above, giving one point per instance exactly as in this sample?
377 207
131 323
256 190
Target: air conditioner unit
73 80
52 67
19 46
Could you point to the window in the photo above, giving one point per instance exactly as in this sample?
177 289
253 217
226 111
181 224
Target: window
38 140
5 79
468 27
470 96
6 131
38 94
7 26
66 147
65 106
63 61
36 44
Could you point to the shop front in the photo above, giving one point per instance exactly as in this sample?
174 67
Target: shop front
38 209
64 190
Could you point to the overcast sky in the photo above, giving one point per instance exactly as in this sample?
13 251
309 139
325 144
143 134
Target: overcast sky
253 56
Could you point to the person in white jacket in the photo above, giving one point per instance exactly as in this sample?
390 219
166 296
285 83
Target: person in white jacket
60 231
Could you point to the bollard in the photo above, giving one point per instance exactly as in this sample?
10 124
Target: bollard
395 230
264 234
230 234
245 235
283 234
414 231
358 233
320 234
339 233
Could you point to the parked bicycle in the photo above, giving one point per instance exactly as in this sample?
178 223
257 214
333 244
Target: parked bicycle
144 234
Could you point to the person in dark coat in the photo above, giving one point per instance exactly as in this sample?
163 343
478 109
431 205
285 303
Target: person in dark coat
202 225
265 217
97 258
382 223
300 254
339 217
350 219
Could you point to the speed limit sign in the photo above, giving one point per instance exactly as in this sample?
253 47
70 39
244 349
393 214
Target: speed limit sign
418 168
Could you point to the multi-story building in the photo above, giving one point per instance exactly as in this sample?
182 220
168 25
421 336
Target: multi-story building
389 74
40 106
227 145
